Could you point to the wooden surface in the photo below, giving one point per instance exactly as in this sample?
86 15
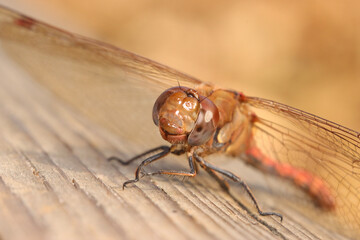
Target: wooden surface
55 183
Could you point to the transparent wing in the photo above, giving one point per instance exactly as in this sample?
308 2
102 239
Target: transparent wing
319 146
109 85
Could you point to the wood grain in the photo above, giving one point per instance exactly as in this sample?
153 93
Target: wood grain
55 183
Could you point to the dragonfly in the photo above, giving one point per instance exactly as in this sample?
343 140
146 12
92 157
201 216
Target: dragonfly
127 94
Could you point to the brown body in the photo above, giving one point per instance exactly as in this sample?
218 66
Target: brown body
207 120
234 136
234 129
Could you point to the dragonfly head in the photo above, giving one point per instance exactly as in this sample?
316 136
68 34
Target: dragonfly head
184 116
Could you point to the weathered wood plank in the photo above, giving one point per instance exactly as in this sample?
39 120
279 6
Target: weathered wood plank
56 183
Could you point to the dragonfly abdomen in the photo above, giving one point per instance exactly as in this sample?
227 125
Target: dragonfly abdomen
314 186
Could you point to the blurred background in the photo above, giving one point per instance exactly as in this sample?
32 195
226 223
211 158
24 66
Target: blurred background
302 53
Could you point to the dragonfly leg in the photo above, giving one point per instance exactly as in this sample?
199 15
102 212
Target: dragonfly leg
191 173
222 182
151 151
166 151
237 179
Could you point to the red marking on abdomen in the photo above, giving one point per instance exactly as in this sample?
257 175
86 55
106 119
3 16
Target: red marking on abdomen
25 22
313 185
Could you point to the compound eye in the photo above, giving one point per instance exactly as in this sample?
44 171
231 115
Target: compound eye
160 102
205 125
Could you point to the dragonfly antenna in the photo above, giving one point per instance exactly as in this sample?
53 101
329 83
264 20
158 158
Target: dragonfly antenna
179 84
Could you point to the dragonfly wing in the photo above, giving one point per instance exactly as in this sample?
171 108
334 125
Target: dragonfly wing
113 87
321 147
